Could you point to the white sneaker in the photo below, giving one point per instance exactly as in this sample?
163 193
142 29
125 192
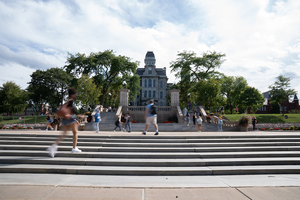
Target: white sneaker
114 131
52 129
52 150
46 130
76 150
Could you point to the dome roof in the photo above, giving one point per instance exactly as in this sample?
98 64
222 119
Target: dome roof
150 54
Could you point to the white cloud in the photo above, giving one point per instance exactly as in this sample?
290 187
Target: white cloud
260 38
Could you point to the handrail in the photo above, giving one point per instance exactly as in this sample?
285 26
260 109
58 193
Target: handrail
119 112
179 115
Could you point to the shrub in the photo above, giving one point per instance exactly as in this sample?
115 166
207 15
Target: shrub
263 129
284 129
244 120
292 128
270 129
277 128
3 127
227 112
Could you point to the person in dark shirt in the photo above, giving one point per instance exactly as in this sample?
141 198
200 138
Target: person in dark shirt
68 122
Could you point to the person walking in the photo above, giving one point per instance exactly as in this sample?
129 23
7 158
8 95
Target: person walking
49 122
69 121
220 124
97 120
151 117
128 123
184 113
199 122
222 111
254 122
123 120
194 118
187 119
117 123
236 110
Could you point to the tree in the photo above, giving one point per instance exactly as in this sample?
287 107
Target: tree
232 88
280 90
208 92
190 69
88 92
12 98
251 99
107 70
49 86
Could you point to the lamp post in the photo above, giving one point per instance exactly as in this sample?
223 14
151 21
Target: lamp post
124 84
109 99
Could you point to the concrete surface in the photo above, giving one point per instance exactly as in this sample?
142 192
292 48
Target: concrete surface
65 186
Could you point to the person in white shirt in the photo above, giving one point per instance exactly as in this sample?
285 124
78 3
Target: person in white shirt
199 122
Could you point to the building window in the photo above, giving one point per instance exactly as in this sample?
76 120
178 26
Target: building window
153 94
149 94
145 95
161 84
161 103
150 70
145 83
265 108
149 83
154 83
161 95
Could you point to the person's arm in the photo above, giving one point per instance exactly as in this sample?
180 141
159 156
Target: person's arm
146 113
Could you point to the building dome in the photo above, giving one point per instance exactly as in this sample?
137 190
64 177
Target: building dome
150 58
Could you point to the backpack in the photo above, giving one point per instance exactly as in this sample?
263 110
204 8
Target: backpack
153 110
117 123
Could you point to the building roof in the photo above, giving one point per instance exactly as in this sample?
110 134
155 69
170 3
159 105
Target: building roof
267 95
150 54
140 71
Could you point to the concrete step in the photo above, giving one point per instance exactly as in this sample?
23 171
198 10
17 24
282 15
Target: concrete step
154 155
155 140
161 145
155 149
150 171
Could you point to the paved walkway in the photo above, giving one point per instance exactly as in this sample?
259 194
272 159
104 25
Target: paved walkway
63 186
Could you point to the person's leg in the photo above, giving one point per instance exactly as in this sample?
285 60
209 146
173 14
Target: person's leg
97 125
74 129
146 127
119 127
63 135
129 126
221 127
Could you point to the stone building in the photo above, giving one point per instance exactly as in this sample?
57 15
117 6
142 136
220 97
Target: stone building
153 82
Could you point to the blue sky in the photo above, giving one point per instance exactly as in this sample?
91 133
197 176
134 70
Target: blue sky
261 38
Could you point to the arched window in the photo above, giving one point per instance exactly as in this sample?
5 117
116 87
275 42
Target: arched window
149 94
149 83
145 95
153 94
161 95
154 83
161 84
145 83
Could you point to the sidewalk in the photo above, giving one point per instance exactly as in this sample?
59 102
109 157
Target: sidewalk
55 186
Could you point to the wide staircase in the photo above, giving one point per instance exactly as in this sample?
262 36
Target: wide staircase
153 155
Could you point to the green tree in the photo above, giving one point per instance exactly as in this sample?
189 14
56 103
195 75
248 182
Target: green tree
251 99
280 90
107 70
88 92
208 92
12 98
232 88
49 86
190 69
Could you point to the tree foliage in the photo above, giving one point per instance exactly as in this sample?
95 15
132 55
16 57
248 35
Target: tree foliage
191 69
88 92
232 88
49 86
12 98
280 90
252 99
107 70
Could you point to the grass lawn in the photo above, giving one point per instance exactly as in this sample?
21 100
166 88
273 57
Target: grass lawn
268 118
25 119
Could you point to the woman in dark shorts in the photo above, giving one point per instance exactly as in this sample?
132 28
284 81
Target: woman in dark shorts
69 122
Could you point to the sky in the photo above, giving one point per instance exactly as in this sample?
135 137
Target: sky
261 38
